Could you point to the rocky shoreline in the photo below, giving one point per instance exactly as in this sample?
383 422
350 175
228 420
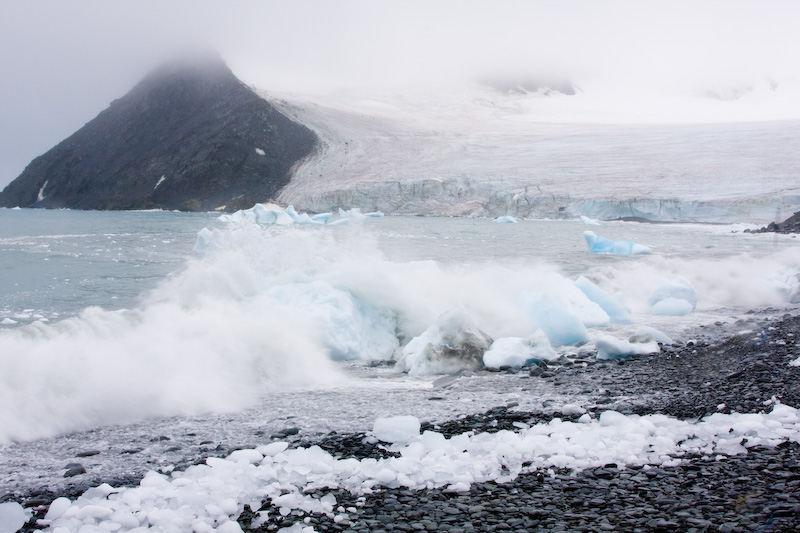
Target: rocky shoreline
748 371
790 225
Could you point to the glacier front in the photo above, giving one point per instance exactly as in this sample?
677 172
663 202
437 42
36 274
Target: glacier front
485 153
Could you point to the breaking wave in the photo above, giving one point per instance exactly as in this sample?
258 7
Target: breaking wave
266 308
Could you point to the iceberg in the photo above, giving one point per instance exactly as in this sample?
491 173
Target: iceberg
601 245
453 343
271 214
506 220
589 221
322 217
517 351
300 218
609 347
613 305
676 297
559 323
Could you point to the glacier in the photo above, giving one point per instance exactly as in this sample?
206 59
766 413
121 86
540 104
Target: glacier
495 155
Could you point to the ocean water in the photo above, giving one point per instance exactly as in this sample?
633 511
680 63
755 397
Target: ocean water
118 318
55 263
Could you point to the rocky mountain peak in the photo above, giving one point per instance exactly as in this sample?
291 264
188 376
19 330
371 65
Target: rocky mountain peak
189 136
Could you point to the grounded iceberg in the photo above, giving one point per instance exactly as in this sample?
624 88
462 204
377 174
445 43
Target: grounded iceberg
517 351
613 305
561 325
609 347
676 297
453 343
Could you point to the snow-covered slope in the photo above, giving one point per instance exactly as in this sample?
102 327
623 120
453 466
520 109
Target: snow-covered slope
482 152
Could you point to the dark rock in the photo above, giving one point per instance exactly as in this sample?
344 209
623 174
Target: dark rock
75 471
790 225
287 432
88 453
190 136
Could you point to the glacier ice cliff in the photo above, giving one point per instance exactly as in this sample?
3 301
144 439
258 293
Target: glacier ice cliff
478 155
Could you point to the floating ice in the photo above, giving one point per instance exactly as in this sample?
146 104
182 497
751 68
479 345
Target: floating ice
676 297
453 343
322 217
8 322
396 429
609 347
356 213
506 220
558 322
271 214
212 495
601 245
589 221
300 218
517 351
613 305
12 517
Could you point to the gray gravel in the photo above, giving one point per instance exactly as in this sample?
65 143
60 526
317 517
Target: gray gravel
759 491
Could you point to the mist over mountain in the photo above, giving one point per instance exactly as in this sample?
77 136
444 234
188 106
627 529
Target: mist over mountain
189 136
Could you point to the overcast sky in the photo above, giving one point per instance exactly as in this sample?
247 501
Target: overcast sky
64 62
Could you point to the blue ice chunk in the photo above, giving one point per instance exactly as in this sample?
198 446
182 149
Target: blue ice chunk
601 245
264 215
301 218
322 217
614 307
506 220
678 288
560 325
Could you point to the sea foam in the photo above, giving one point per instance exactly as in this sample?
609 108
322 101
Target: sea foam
266 308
